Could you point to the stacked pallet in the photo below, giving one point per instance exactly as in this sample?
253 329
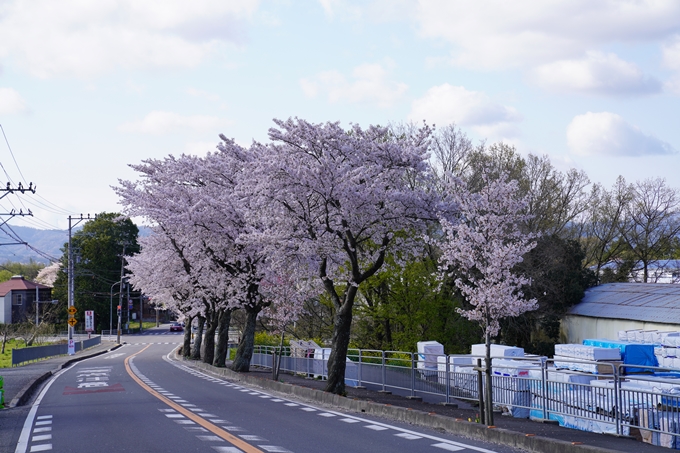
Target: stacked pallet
573 356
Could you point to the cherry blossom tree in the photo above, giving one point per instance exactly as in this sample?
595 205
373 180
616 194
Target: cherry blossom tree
335 202
195 204
481 249
158 272
171 194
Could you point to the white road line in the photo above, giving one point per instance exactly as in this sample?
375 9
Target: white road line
22 445
44 429
41 447
44 417
273 449
41 437
227 450
211 438
252 438
326 414
408 436
448 447
371 424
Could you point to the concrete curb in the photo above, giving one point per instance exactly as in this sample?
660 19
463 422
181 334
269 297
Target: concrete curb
460 427
25 393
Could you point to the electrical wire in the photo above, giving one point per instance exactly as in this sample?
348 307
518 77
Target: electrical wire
12 154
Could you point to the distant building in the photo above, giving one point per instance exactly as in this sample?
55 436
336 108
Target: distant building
662 271
18 296
608 308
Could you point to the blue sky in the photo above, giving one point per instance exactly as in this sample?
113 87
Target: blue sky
89 87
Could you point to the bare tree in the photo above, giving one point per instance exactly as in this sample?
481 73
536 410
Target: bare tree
602 224
555 199
652 222
451 150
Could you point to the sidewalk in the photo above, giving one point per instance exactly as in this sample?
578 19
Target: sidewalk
515 432
22 381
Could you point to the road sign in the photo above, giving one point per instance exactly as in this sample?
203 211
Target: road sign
72 310
71 346
89 320
72 322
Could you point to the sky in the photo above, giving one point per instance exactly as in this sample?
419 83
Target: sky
89 87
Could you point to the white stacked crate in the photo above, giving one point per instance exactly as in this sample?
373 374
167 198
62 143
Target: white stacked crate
667 352
565 354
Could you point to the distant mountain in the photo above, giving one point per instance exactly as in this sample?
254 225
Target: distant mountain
49 242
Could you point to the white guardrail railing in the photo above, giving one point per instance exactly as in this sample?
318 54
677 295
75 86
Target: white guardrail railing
614 398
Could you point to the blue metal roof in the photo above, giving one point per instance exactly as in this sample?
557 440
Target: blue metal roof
651 302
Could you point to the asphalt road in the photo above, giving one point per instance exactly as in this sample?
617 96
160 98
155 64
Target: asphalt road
136 399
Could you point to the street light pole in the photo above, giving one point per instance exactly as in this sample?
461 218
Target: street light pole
111 309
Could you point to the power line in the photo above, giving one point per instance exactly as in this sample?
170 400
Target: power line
12 154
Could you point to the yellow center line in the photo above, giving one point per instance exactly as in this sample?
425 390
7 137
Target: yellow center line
246 447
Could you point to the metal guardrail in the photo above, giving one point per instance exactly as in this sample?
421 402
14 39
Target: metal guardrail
23 355
617 399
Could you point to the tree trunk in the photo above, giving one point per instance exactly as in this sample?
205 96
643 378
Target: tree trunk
4 340
209 341
244 353
198 340
489 388
337 361
186 346
222 347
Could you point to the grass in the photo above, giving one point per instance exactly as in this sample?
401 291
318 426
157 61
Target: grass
6 358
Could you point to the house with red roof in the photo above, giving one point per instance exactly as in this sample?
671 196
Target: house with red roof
17 299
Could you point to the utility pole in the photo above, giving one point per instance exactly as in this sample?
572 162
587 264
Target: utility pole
120 294
13 213
72 222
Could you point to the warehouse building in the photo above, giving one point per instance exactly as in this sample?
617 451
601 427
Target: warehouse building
609 308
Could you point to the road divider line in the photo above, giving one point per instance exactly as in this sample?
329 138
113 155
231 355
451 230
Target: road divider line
237 442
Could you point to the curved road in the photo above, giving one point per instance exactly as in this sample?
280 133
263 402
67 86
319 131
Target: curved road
136 399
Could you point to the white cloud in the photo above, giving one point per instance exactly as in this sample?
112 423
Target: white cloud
11 102
368 84
159 122
671 59
445 104
84 39
598 73
203 94
606 133
494 34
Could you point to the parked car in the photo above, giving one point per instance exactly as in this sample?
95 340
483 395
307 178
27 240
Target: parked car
176 327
